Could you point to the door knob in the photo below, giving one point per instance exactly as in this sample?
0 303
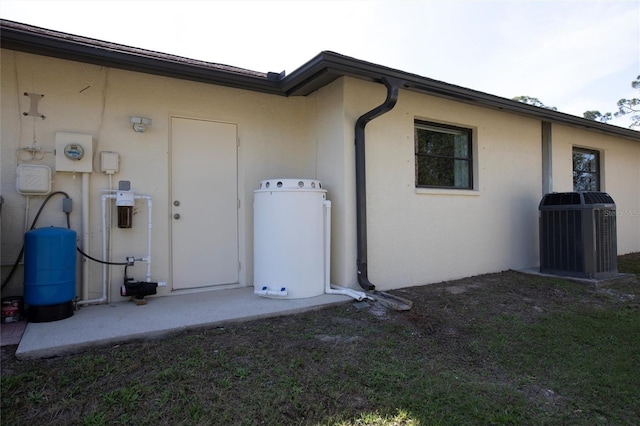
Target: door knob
176 216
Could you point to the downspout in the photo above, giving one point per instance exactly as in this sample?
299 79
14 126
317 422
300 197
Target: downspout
393 85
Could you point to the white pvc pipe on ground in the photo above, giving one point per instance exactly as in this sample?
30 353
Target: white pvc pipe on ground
358 295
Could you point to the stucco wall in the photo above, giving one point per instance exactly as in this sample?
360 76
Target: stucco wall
419 236
415 236
620 176
81 98
329 131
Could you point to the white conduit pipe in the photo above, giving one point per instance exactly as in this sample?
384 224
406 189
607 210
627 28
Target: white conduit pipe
106 272
358 295
26 215
102 299
148 258
85 234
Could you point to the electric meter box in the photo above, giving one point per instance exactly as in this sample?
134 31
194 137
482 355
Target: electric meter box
74 153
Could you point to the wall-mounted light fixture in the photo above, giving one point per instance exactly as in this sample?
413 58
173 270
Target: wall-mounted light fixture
140 123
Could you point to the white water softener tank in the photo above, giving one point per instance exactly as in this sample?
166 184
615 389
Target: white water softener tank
288 246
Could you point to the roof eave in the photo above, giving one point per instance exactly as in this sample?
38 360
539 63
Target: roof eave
311 76
45 45
328 66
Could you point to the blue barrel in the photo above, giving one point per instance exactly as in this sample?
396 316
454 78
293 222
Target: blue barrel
49 273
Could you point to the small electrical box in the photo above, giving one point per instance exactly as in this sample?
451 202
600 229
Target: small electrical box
74 153
33 179
109 162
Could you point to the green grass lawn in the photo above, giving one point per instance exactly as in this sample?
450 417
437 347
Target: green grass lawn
502 348
630 264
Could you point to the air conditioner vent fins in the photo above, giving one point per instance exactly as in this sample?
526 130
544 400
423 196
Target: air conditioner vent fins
578 235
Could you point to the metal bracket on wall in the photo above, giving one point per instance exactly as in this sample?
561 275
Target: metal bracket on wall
33 107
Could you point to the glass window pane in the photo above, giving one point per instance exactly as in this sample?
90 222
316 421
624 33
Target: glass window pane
585 181
434 143
461 173
443 156
438 143
461 149
435 171
584 161
586 173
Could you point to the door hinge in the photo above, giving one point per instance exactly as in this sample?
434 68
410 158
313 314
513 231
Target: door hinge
238 202
239 266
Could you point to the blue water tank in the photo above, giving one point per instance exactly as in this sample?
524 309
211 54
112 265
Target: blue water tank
49 273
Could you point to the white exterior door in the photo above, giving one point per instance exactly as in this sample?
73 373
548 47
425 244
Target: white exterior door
204 203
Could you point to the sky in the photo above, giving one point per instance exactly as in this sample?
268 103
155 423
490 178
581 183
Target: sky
576 55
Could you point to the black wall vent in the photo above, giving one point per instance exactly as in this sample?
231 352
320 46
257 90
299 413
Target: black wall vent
578 235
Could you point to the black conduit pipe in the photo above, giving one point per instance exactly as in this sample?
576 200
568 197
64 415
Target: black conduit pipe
393 85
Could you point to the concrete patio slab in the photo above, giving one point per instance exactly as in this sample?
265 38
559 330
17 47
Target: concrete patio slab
10 334
121 322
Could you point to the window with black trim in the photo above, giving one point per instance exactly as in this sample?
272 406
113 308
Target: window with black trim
586 170
443 156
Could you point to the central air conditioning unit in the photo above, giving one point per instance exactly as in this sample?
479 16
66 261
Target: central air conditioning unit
578 235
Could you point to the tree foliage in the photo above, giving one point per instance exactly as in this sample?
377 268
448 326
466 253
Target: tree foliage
625 106
631 106
597 116
533 101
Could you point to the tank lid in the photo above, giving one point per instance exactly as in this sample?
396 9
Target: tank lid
290 185
51 230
